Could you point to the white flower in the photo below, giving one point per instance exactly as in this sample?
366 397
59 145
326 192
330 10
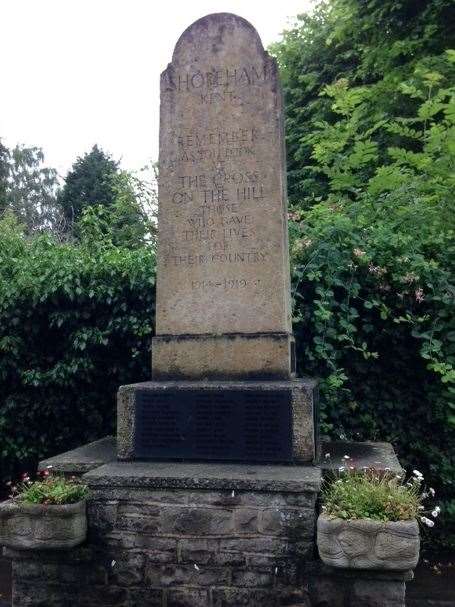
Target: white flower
327 455
358 252
432 491
426 521
436 511
424 495
417 474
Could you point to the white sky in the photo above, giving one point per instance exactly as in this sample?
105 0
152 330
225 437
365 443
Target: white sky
78 72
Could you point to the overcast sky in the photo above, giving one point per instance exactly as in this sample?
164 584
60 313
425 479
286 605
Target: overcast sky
78 72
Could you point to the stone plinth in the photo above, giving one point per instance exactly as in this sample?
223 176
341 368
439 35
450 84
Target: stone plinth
330 587
223 357
200 535
195 535
83 459
239 421
223 291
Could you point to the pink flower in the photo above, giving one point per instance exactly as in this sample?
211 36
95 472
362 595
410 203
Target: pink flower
419 295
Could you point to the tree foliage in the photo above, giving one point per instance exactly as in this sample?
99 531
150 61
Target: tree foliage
377 45
371 142
28 188
88 183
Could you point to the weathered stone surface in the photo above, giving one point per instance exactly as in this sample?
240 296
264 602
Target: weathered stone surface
40 527
182 545
333 587
246 597
157 536
223 265
81 460
217 357
205 476
298 397
379 456
367 544
186 597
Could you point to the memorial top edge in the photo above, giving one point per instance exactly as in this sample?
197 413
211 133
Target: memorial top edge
222 20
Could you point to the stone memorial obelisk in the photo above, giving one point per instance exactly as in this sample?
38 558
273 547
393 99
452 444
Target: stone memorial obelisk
216 528
223 362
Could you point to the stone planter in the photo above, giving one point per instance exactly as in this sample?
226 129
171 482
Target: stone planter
42 527
366 544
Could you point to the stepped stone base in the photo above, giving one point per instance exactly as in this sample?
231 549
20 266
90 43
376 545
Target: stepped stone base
182 535
200 535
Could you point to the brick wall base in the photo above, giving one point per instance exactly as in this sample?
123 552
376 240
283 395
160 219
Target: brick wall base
197 535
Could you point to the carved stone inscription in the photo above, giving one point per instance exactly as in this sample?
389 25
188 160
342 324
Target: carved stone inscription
222 259
223 425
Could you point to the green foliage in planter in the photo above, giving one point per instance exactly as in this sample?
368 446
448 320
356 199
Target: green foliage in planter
51 491
76 320
369 495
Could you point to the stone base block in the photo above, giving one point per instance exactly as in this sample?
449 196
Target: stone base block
330 587
232 421
187 535
162 534
223 357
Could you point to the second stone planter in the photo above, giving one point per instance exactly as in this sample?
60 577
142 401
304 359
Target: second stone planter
42 527
368 544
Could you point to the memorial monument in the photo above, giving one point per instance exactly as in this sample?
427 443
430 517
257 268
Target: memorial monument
232 522
223 361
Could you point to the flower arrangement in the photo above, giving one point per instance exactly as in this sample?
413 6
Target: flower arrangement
370 519
48 513
48 489
379 496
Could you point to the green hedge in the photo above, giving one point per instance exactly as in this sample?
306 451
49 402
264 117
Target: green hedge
75 322
374 319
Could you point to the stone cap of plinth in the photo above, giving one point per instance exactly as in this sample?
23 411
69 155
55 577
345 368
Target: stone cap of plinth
83 459
211 476
378 456
92 456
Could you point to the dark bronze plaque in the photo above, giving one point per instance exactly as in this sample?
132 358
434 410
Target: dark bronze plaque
237 425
